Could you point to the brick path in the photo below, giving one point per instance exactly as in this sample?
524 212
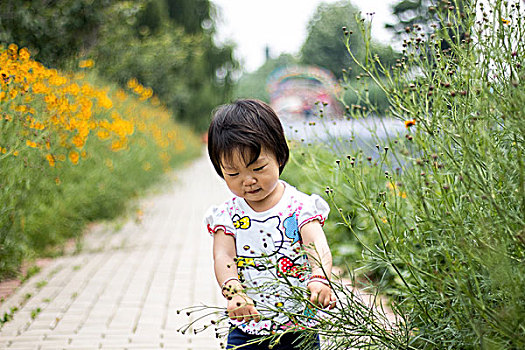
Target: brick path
122 291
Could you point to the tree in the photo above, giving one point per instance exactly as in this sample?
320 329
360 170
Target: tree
253 85
54 31
186 70
324 45
193 15
429 16
408 13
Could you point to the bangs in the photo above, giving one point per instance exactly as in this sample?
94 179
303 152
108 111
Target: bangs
248 154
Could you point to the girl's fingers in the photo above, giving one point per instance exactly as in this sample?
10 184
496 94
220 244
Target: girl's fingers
236 315
249 314
333 301
314 298
245 313
255 315
325 300
319 299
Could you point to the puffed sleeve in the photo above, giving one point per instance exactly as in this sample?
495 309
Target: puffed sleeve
216 218
313 208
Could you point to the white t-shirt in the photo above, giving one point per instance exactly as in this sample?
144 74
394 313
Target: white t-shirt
269 248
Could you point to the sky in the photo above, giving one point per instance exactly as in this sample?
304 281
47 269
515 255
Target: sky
282 25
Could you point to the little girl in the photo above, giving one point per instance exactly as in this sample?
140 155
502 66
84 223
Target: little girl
261 234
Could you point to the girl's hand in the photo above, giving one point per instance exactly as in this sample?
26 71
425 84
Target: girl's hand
241 307
321 295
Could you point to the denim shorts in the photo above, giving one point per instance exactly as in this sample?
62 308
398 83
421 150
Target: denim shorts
288 341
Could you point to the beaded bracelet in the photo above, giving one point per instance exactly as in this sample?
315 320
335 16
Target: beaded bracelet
319 278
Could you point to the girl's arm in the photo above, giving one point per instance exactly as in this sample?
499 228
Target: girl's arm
240 306
320 259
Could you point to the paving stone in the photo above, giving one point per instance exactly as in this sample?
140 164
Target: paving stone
127 285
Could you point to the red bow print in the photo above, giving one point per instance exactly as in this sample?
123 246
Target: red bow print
288 267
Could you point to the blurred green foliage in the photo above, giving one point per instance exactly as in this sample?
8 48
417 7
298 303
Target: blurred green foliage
166 44
254 85
325 47
54 31
325 44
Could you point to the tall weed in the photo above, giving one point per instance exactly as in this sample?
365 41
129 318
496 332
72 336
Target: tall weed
436 216
449 223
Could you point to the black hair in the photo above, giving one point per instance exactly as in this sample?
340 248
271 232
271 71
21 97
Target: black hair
246 125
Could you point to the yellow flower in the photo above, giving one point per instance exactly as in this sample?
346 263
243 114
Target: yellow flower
118 145
505 21
20 108
103 134
147 93
86 63
104 101
78 141
73 89
73 157
31 144
12 47
138 89
409 123
12 51
132 83
51 160
24 54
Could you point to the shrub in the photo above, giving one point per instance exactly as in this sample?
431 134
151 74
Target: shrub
450 221
73 152
448 224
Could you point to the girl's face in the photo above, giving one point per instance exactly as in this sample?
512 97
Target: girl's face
258 183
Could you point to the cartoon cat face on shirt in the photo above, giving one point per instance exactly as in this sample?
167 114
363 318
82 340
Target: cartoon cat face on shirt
257 239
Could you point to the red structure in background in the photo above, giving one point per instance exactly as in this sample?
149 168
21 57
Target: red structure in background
300 92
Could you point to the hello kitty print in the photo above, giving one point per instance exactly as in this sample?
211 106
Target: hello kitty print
269 247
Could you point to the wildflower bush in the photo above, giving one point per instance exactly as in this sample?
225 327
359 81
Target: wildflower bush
315 168
72 151
445 226
438 214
